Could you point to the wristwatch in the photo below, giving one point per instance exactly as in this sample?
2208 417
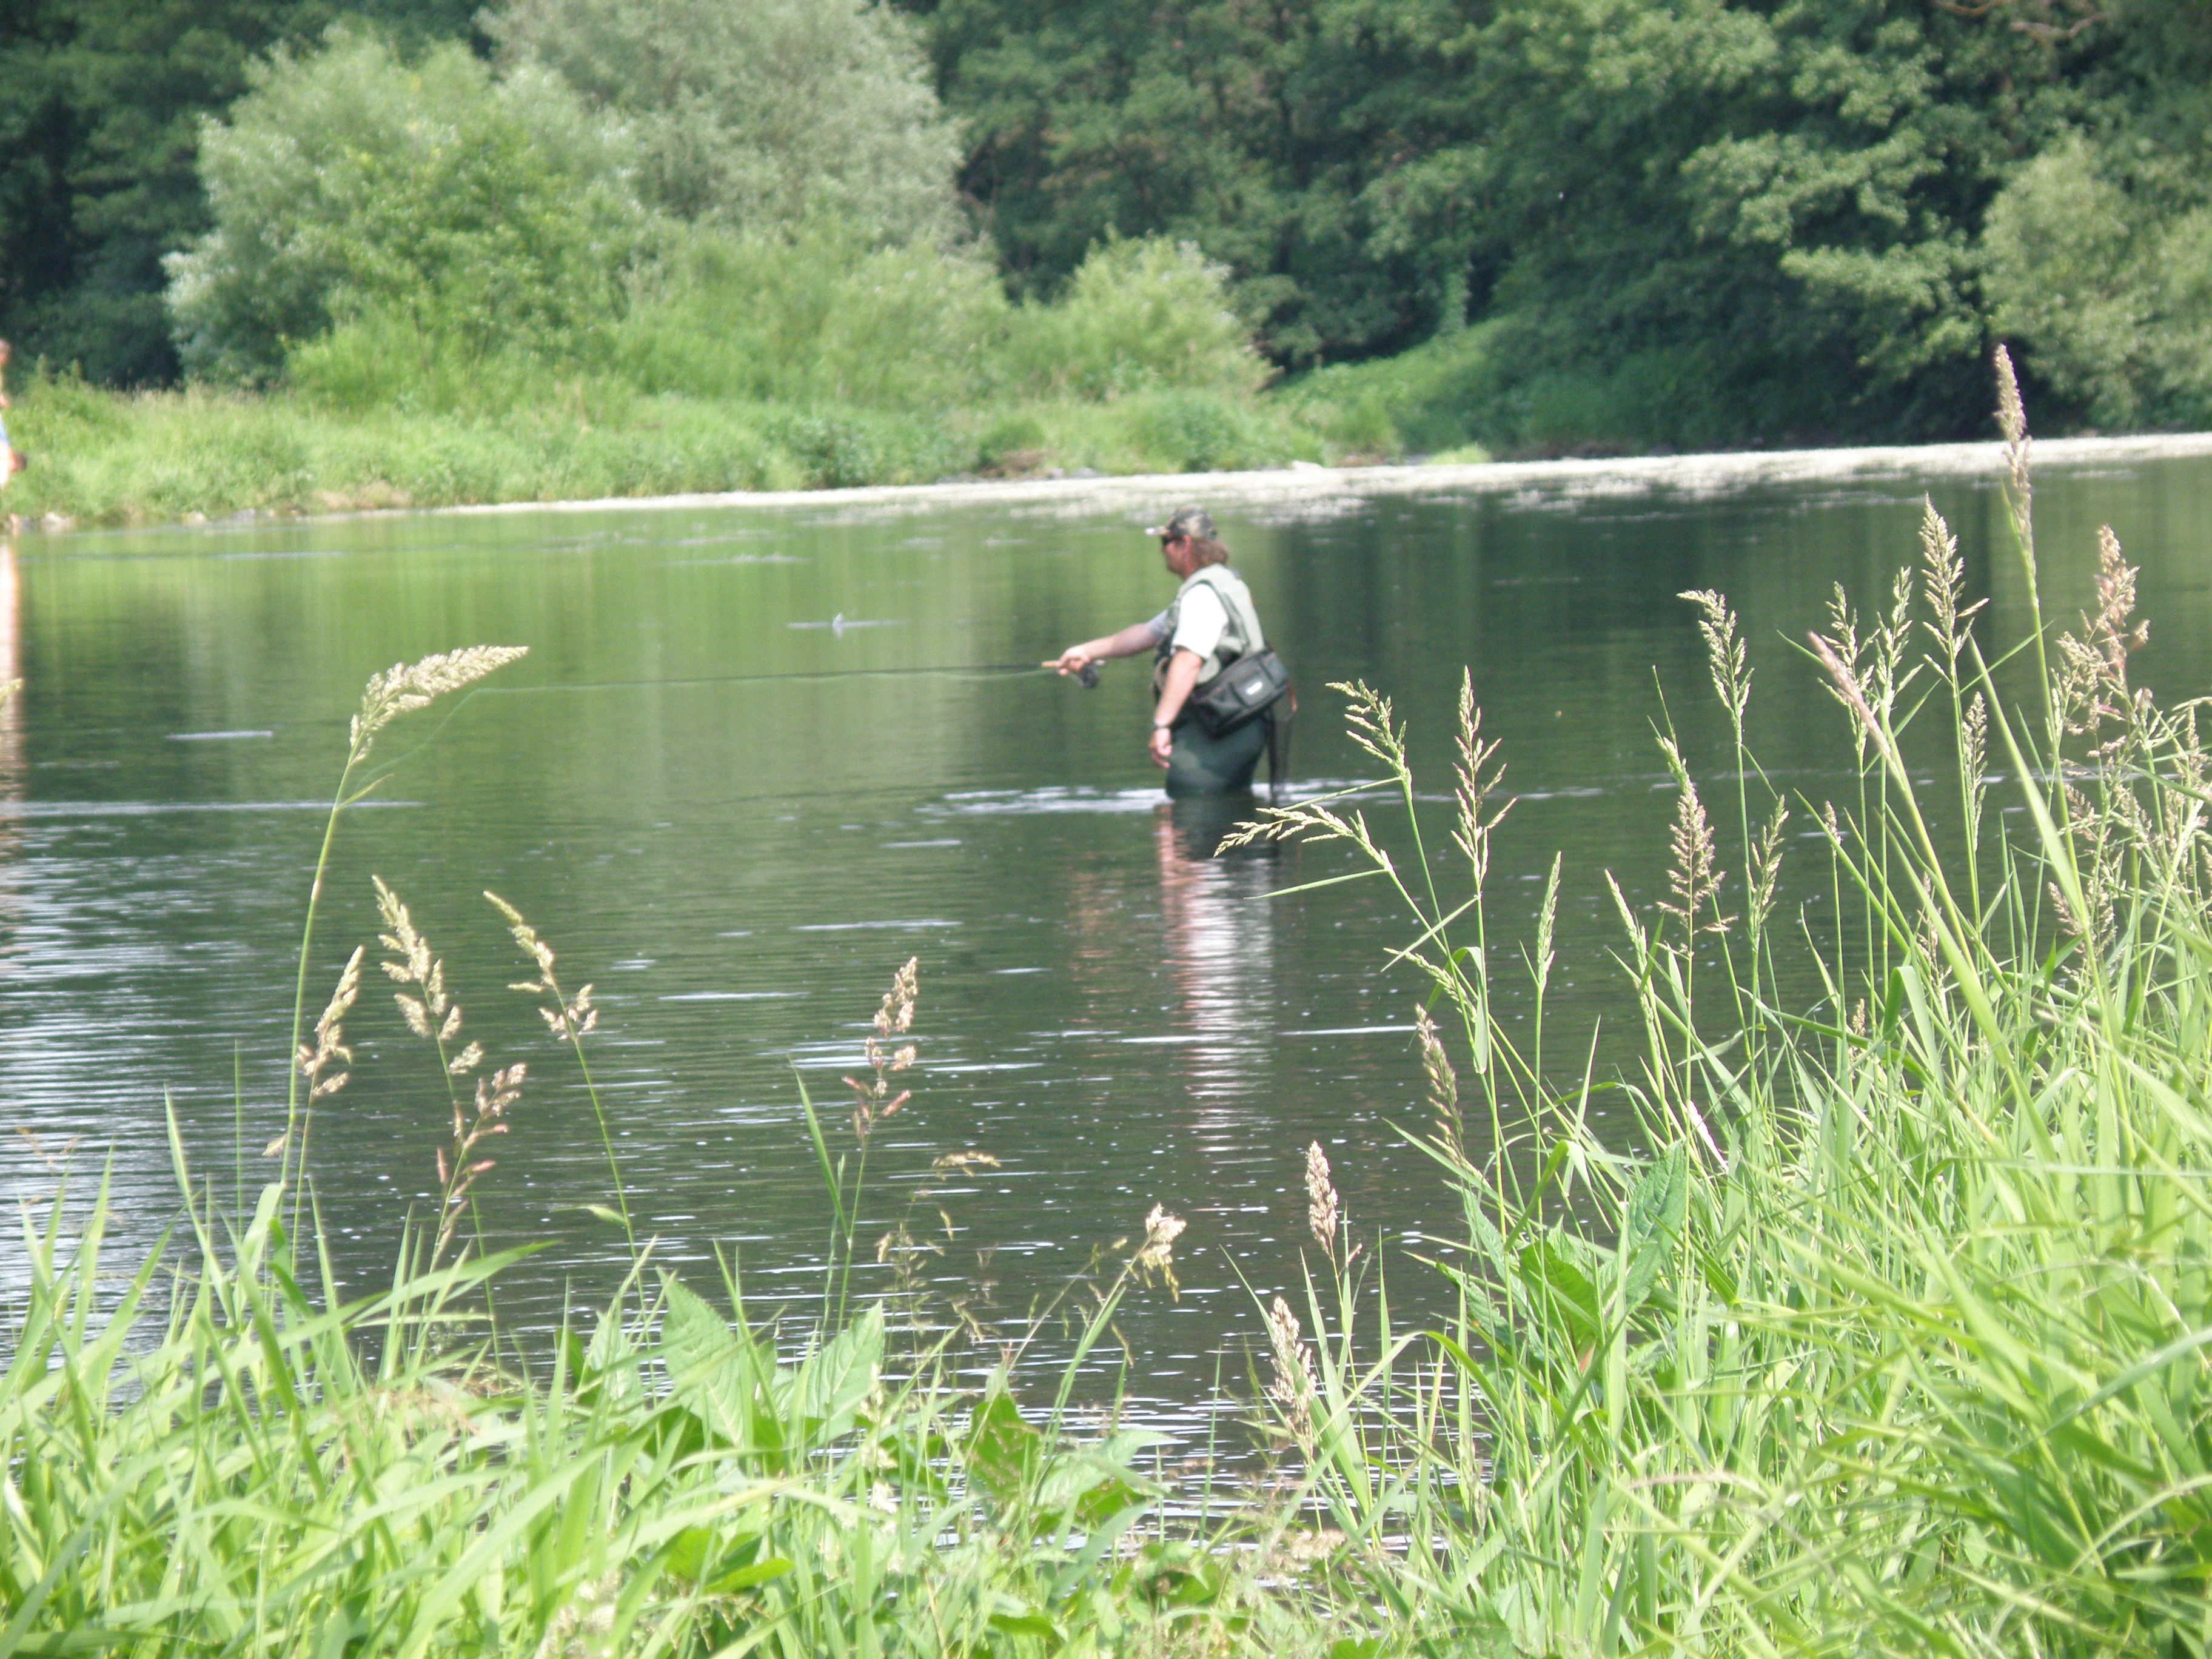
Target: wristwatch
1163 725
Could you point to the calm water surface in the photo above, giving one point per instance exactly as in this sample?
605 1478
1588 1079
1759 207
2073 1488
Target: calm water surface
736 819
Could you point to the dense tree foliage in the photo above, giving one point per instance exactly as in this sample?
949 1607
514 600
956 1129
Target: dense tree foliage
1602 222
1714 222
749 114
348 182
100 107
2099 249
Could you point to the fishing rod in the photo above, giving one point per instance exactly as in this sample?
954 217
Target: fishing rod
1087 675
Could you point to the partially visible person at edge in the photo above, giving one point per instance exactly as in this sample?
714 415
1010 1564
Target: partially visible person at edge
1211 624
12 460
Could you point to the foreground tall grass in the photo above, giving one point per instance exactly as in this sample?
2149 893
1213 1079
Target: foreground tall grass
1891 1339
215 1448
1888 1336
235 1459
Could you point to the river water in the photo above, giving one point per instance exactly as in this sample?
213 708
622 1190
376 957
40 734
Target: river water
759 756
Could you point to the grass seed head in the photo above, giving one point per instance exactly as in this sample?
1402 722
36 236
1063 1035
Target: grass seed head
872 1100
569 1018
962 1161
458 1170
1767 866
1475 781
1155 1257
405 687
1321 1210
2012 419
1546 920
1294 1385
2012 422
1372 724
330 1044
525 936
429 1011
1724 651
896 1014
1892 638
1844 678
1943 583
2093 665
1442 1081
1693 875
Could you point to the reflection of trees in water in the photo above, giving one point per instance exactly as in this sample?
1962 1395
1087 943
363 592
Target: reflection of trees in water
12 762
1218 940
11 714
1097 916
36 1164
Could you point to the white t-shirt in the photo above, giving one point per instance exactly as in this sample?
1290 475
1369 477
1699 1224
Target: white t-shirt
1201 622
1205 622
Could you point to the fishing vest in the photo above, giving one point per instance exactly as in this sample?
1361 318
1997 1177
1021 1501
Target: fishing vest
1240 638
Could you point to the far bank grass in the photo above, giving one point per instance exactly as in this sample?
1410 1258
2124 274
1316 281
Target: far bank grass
103 458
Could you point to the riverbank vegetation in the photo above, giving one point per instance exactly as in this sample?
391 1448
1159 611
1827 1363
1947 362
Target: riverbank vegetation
1886 1331
1891 1337
620 261
401 251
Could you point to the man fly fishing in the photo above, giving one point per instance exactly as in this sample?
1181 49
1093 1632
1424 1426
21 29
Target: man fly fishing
1221 698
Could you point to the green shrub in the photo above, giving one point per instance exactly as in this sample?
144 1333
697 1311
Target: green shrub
381 361
422 238
1497 386
1420 400
1150 432
1012 442
1193 433
2107 282
816 316
840 449
1138 316
348 182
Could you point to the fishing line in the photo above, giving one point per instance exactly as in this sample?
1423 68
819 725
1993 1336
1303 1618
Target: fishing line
989 671
1088 679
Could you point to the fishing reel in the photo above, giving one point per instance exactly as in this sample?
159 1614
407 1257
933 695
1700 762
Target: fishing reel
1088 674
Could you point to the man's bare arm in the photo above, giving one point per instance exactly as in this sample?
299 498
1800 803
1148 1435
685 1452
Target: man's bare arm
1136 637
1175 691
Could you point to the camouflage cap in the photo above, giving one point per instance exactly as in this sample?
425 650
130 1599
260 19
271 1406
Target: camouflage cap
1195 522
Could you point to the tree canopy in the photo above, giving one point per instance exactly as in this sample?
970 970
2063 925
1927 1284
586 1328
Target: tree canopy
1778 209
348 181
100 107
1641 222
753 112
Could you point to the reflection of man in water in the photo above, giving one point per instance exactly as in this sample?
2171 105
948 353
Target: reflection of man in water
1218 946
1212 623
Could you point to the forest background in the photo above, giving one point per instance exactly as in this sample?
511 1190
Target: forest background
408 250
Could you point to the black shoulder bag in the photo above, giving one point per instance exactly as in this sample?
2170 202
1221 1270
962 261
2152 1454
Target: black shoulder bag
1241 692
